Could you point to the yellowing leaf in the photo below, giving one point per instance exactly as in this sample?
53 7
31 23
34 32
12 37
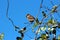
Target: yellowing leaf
49 29
44 36
51 22
59 37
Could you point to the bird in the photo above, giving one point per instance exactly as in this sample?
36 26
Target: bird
30 18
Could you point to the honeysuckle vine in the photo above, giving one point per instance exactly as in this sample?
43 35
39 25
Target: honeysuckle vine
7 11
49 27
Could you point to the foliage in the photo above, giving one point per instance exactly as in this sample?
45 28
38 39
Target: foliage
1 36
49 27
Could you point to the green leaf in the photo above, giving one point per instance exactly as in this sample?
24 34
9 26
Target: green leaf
43 28
40 39
1 36
58 24
49 29
36 23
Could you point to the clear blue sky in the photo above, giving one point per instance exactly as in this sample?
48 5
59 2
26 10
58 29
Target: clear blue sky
17 12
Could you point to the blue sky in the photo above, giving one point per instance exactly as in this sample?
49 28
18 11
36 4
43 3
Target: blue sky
17 12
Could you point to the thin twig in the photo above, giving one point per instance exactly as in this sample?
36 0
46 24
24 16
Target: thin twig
52 3
41 3
39 8
7 10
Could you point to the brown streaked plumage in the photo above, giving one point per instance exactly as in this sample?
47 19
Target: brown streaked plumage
30 18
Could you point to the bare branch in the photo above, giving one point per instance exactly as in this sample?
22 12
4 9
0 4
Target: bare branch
7 10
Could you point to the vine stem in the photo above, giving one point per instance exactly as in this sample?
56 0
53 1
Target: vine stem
39 8
7 10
